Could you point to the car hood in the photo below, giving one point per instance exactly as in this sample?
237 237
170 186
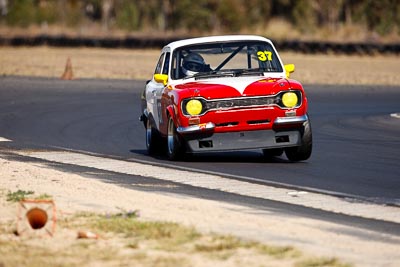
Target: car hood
235 87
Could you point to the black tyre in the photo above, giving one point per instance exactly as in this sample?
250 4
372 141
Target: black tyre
174 142
152 139
302 152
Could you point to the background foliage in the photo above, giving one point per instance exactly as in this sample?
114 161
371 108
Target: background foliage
307 17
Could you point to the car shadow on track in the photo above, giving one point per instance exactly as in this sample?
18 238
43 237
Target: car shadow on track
227 157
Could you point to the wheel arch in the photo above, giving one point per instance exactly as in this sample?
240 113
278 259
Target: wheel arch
171 113
148 116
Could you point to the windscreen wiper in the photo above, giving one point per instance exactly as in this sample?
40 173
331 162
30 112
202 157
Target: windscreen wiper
257 72
212 74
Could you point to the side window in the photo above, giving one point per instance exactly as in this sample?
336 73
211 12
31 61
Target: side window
159 64
166 63
175 66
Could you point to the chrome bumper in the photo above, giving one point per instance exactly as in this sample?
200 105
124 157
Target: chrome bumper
291 120
209 126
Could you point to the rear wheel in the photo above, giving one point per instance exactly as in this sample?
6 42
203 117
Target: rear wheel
174 142
302 152
152 139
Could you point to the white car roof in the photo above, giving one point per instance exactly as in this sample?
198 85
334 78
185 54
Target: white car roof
211 39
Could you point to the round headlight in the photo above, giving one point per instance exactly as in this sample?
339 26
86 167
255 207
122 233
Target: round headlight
194 107
290 99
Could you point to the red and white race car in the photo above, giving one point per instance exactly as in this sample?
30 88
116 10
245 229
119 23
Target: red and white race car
225 93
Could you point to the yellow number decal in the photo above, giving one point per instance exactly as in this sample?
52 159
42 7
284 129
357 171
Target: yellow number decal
264 56
269 55
261 56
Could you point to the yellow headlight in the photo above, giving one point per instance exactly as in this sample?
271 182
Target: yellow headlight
290 99
194 107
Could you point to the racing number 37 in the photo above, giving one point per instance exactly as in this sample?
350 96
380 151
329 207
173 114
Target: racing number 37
264 55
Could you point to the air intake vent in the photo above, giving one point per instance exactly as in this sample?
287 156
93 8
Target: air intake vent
258 122
205 144
282 139
227 124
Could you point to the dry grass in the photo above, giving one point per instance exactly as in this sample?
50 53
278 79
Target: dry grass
129 241
140 64
86 63
341 69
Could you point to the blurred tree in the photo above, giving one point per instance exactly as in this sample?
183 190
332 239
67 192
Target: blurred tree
304 15
230 14
281 8
397 12
93 9
150 14
380 15
206 16
106 13
3 7
21 13
192 16
164 19
328 13
347 12
127 15
257 12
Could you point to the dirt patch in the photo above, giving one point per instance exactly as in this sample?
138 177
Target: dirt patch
140 64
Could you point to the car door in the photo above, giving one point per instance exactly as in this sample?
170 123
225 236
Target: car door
154 92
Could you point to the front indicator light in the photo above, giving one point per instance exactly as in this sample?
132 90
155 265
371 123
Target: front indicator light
290 99
194 107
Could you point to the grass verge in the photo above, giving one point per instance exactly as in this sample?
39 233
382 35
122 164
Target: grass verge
124 239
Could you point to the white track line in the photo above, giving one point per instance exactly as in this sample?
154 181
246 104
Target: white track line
215 182
395 115
2 139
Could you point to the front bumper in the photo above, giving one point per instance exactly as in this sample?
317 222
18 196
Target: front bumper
202 138
192 129
290 120
209 127
244 140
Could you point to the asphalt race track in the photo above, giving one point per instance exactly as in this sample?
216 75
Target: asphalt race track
356 140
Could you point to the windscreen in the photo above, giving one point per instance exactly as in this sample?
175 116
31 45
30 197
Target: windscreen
225 57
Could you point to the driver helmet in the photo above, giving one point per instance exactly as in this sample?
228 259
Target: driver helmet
192 64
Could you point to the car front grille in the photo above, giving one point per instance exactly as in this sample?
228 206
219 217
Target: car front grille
240 102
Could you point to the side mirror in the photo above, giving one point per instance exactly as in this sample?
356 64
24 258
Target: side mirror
161 78
289 68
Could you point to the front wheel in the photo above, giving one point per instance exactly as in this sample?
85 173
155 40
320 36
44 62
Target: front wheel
302 152
174 142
